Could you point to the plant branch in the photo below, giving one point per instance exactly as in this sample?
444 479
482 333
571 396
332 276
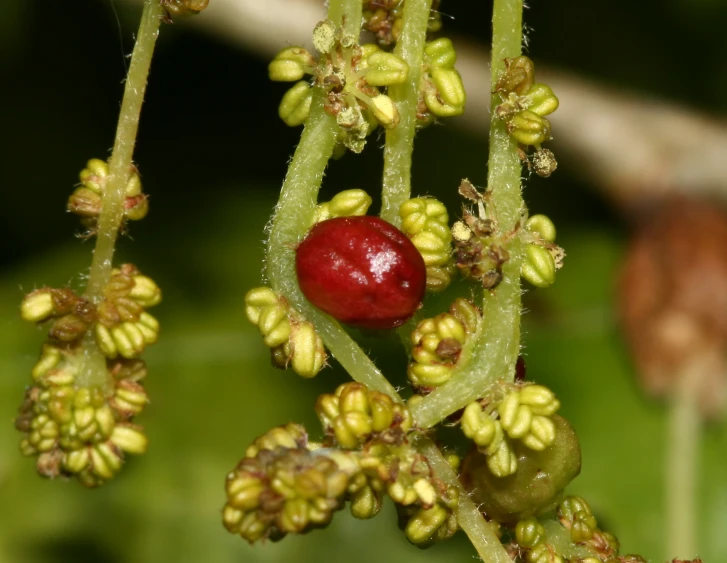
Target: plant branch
492 353
93 372
399 145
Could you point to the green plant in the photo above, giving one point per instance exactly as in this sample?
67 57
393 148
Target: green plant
454 343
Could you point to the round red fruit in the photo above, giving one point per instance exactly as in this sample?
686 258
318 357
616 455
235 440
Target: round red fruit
362 271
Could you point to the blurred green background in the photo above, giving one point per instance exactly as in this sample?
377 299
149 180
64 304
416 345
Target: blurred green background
213 154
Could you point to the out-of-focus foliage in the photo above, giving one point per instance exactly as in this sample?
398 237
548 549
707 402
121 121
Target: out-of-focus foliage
213 171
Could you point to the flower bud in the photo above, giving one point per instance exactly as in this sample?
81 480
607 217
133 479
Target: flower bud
529 532
129 438
542 100
450 88
440 53
349 203
296 103
37 306
307 354
385 69
291 64
542 226
538 266
528 128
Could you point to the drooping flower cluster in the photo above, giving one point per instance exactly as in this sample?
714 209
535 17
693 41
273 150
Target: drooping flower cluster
78 415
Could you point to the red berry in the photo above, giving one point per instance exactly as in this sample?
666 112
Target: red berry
361 270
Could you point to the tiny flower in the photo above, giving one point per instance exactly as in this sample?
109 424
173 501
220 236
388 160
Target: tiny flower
296 103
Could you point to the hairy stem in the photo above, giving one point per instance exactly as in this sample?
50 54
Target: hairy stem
478 530
399 146
491 355
93 371
682 465
294 216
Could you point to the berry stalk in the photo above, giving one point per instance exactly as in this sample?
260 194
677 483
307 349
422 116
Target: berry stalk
94 372
294 216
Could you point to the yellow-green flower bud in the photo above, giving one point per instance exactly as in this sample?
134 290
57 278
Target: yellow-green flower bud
538 266
541 434
422 213
467 313
584 525
477 425
528 128
440 53
349 203
529 532
324 36
437 106
434 250
502 461
145 291
37 306
77 460
274 325
365 503
367 49
256 300
384 110
544 553
307 353
540 399
288 436
243 491
449 86
296 103
129 438
425 523
571 505
291 64
542 100
542 226
386 69
94 175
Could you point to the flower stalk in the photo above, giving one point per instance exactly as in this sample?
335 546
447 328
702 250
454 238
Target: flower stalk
400 140
93 372
493 352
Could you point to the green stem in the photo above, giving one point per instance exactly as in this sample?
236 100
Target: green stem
93 371
681 465
294 215
478 530
492 353
399 146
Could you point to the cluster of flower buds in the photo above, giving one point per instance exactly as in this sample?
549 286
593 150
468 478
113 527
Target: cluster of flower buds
542 257
426 222
441 91
74 429
184 8
120 323
292 340
86 200
524 106
283 488
353 414
383 18
577 531
350 76
348 203
286 484
437 344
524 414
